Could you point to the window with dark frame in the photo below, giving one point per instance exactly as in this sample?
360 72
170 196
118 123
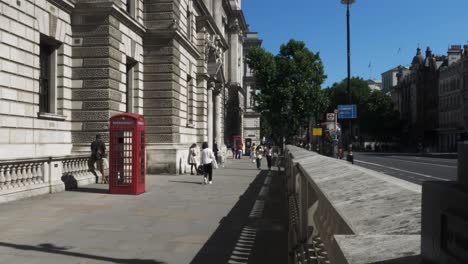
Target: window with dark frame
129 6
129 85
189 23
44 77
189 100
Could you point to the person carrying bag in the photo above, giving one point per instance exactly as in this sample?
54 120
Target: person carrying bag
208 160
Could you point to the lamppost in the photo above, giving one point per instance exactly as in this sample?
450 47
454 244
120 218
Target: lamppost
348 87
349 157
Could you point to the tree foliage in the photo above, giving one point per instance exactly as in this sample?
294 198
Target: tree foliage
289 85
376 113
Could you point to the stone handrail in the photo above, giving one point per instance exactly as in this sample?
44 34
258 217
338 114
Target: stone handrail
22 178
343 214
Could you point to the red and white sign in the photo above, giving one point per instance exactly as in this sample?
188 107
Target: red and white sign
330 117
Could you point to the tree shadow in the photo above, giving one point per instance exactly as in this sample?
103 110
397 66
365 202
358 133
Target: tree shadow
218 248
403 260
53 249
198 183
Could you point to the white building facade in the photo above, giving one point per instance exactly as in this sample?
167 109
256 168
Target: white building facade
67 66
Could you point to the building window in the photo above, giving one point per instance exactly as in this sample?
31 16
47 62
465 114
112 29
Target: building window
130 84
189 23
130 7
190 99
48 49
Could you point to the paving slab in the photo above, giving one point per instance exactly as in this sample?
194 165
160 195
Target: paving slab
177 220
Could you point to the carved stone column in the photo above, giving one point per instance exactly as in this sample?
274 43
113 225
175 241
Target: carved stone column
217 117
211 86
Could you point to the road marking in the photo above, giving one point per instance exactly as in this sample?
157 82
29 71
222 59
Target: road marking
440 165
427 159
392 168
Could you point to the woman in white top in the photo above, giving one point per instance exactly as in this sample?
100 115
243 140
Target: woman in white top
192 158
258 156
207 157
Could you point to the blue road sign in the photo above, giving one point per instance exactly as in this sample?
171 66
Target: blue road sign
347 111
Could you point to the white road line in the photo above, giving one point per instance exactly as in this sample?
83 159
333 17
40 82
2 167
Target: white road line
392 168
432 164
453 161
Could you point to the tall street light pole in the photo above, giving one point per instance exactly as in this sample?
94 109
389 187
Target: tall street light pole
348 88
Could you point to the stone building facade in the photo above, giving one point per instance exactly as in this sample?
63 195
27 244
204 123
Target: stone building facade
452 99
67 66
419 100
432 97
251 117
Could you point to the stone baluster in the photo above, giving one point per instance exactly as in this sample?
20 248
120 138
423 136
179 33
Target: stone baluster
21 174
65 167
8 176
28 174
39 173
34 173
81 167
14 176
2 176
78 168
75 168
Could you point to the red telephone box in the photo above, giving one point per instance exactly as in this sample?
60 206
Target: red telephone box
127 166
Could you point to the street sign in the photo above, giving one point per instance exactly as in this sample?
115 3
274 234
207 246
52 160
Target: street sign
317 131
347 111
330 117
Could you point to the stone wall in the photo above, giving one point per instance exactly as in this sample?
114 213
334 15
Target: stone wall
361 216
23 131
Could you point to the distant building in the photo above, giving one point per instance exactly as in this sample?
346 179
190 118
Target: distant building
452 99
418 100
375 85
390 79
251 118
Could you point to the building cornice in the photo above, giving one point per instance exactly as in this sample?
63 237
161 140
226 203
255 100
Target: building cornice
66 5
109 8
209 23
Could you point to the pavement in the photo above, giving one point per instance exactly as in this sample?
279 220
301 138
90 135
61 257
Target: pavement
240 218
415 169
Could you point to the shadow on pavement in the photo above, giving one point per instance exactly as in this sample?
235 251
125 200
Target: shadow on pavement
52 249
90 190
218 248
403 260
198 183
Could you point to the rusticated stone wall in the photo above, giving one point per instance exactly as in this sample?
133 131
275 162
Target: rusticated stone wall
102 42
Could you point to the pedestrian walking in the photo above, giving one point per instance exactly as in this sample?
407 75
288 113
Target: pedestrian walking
192 158
98 152
207 160
252 152
259 156
269 155
240 147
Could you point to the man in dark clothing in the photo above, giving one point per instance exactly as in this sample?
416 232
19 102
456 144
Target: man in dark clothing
215 150
98 152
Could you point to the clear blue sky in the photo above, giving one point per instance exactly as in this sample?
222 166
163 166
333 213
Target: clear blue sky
379 28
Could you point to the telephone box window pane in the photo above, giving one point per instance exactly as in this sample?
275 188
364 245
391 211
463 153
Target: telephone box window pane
142 156
124 157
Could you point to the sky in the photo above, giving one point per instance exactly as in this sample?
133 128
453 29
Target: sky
384 33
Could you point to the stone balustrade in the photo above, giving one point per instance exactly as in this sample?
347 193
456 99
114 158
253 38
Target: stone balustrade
21 173
29 177
344 214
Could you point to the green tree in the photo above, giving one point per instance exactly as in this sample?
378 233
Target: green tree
376 114
290 87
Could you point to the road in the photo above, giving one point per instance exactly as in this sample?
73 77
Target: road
410 168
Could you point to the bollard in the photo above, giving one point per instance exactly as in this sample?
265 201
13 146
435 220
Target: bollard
463 164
